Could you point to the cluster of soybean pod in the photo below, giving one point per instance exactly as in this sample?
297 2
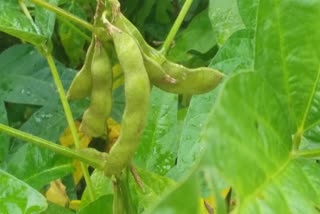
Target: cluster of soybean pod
143 67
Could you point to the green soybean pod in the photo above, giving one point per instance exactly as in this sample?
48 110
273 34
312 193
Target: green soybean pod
137 93
94 119
181 80
125 25
169 76
157 75
190 81
81 84
151 57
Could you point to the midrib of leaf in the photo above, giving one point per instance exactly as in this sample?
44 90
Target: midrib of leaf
301 128
281 44
308 107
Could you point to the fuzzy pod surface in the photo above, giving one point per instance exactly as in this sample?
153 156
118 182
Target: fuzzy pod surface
95 117
137 95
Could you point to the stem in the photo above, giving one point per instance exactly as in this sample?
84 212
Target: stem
314 153
64 14
69 117
176 26
51 145
297 139
122 199
137 177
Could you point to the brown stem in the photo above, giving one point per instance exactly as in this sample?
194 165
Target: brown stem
136 177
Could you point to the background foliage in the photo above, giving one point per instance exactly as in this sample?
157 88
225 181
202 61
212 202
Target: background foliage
243 134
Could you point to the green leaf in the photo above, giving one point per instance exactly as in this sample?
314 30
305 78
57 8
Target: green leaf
18 197
236 54
52 120
181 199
102 205
190 146
154 188
248 11
25 89
198 36
49 166
56 209
225 19
249 133
45 19
102 186
288 57
313 135
157 151
211 185
30 61
15 23
260 117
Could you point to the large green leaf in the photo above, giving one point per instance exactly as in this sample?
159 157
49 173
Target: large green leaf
181 199
37 166
29 60
248 11
102 186
190 146
157 151
15 23
250 137
225 19
261 116
18 197
25 89
56 209
45 19
287 53
102 205
154 188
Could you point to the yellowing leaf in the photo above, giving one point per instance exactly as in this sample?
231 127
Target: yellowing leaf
57 193
225 192
77 174
67 140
